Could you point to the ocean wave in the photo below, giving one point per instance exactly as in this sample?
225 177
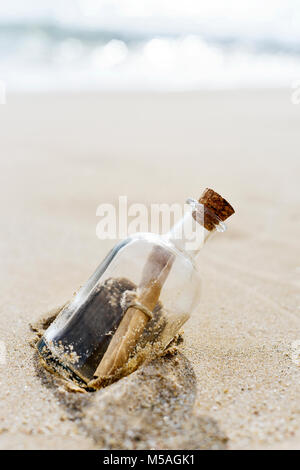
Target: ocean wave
53 31
51 52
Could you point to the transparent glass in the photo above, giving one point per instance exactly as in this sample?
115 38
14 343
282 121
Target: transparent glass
131 307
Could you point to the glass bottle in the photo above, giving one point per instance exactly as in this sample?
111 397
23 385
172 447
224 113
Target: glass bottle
136 302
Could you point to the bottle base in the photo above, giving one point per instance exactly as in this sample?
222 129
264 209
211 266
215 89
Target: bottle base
56 366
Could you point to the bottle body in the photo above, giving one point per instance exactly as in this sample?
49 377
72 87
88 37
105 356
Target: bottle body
136 302
145 278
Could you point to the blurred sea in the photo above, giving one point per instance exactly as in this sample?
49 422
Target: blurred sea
148 45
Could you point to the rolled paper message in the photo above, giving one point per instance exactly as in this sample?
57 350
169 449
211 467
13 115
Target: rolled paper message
135 319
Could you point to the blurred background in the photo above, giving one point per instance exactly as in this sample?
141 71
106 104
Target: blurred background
167 45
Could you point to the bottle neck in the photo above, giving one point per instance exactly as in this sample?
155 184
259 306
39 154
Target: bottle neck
194 229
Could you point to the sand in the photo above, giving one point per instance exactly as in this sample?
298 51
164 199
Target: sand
236 381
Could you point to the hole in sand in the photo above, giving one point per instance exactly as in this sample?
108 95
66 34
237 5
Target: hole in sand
151 408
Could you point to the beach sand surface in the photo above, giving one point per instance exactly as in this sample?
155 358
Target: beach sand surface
236 380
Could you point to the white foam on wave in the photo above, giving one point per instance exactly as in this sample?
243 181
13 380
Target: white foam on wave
150 45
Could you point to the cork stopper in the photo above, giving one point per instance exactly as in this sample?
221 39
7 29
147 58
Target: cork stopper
216 208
